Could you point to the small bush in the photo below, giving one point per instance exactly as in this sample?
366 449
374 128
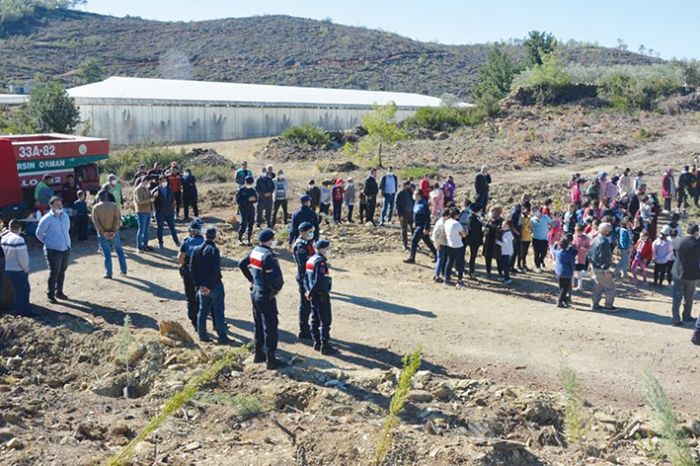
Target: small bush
643 134
126 162
306 135
674 441
416 172
446 118
574 420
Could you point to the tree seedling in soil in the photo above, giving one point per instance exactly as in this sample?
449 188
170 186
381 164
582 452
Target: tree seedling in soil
124 341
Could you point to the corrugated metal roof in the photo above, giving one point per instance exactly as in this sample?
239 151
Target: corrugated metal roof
177 91
13 99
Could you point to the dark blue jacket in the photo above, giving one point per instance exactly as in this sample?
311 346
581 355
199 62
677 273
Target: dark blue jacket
564 261
243 198
421 215
189 186
317 279
304 214
80 208
188 246
205 265
164 202
264 185
262 269
303 249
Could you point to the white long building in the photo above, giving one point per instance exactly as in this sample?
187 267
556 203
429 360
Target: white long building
136 110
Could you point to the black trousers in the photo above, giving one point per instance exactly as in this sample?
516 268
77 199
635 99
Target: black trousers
321 318
246 225
564 289
363 212
304 310
266 323
662 271
418 236
190 201
455 259
489 256
283 204
473 253
350 208
406 223
522 257
178 203
82 223
58 263
337 211
516 252
540 247
191 294
371 206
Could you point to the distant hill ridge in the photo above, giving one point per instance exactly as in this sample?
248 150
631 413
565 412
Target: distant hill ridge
280 50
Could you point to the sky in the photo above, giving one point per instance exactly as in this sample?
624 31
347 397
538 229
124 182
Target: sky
669 27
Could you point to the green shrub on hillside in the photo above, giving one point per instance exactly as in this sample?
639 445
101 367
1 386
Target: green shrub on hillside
306 135
625 91
445 119
416 172
126 162
494 80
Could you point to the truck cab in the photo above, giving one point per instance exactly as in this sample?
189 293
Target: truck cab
26 159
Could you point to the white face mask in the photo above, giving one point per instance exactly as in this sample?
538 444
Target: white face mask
249 186
164 185
323 252
113 182
188 173
274 243
58 211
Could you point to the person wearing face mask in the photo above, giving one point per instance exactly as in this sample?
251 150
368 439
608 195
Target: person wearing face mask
262 269
281 188
265 188
686 273
115 188
305 213
164 203
14 250
246 199
189 194
303 249
175 183
318 286
54 233
388 185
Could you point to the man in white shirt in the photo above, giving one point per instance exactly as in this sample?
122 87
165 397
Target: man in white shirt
17 266
454 234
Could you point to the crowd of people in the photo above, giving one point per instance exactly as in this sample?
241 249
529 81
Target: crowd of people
612 229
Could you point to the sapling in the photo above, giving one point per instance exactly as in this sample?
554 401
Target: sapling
124 341
575 429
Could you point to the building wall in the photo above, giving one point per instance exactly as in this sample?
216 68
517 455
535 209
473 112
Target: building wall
136 123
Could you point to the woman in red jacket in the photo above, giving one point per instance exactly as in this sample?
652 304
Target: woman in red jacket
643 253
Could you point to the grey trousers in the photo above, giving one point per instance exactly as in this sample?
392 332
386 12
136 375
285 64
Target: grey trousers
683 290
604 284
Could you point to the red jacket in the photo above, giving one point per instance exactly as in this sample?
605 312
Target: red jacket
647 250
425 187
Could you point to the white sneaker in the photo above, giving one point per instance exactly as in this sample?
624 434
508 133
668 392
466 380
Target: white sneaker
538 270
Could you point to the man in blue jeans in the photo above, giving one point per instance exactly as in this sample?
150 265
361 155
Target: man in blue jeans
164 203
17 266
205 268
54 232
108 219
143 205
388 185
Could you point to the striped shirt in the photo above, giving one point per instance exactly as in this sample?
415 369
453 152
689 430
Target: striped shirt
16 256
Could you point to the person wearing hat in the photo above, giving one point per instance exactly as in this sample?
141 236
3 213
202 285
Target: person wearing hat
265 187
305 213
242 173
303 249
262 269
205 267
108 220
175 183
184 256
686 273
164 203
246 197
600 256
317 285
54 233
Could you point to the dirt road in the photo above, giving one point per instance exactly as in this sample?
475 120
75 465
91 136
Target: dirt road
384 308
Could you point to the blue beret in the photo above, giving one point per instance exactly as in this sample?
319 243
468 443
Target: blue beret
266 235
322 244
305 226
305 198
210 233
249 179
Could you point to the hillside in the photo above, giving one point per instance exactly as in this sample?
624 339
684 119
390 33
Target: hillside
265 49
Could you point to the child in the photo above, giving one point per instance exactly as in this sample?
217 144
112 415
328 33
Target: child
506 245
326 197
582 244
363 202
564 259
82 219
646 211
642 253
663 254
338 195
350 195
437 201
570 220
577 192
554 235
525 240
624 242
547 209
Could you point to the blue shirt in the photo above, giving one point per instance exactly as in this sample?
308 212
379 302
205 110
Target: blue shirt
564 260
540 227
54 231
188 246
205 265
624 238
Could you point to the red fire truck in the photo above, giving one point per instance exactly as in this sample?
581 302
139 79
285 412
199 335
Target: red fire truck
26 159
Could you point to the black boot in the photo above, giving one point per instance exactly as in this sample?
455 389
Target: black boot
304 336
327 348
696 337
317 345
272 362
259 356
